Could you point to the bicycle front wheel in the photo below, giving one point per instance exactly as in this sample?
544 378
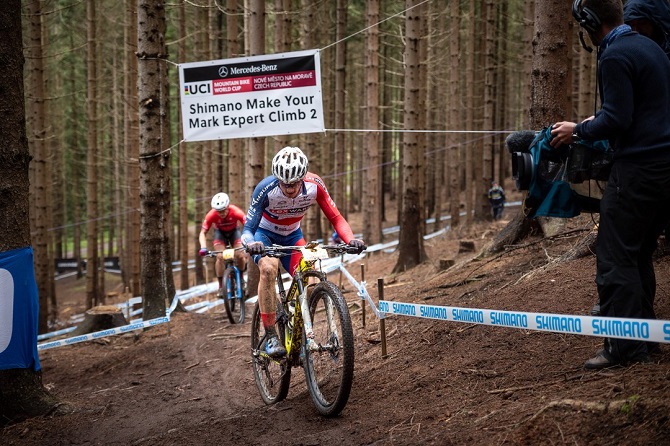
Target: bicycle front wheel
272 376
329 357
234 299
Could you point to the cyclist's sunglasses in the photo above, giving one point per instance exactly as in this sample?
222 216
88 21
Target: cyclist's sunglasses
290 185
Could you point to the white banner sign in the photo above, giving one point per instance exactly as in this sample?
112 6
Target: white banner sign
278 94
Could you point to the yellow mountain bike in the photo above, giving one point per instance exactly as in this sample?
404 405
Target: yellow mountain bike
313 323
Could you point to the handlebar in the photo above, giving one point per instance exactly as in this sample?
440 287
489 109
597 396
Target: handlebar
215 253
281 251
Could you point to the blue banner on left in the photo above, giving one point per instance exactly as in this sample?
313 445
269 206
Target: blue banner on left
19 310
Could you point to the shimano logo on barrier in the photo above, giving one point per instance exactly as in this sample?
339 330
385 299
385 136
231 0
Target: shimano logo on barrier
159 320
406 309
625 329
432 312
559 323
506 319
666 332
131 327
50 345
464 315
76 339
102 334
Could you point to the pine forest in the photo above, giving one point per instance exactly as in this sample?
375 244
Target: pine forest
418 97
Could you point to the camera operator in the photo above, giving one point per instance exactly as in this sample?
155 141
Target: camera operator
633 75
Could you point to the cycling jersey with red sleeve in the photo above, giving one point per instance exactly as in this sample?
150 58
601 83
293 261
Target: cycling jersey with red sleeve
226 224
272 211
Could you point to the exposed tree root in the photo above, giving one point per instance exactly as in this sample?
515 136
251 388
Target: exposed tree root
580 405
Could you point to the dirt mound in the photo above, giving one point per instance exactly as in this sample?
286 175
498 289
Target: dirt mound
190 382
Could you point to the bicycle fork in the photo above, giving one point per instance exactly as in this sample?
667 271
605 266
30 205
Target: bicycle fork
237 292
307 320
312 345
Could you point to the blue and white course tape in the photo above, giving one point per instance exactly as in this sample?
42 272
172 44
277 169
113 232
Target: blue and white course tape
651 330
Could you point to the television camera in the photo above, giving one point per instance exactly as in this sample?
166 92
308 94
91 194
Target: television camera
562 181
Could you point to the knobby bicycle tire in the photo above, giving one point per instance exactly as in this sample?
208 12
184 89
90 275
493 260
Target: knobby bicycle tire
234 306
329 371
272 376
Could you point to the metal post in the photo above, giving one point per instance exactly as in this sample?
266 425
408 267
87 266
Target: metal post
362 298
382 321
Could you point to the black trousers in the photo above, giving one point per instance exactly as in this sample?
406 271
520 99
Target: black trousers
633 211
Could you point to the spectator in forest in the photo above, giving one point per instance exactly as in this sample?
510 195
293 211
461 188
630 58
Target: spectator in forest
651 18
633 75
278 204
497 199
224 217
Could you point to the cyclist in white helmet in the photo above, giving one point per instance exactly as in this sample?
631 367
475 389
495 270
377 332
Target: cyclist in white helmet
224 217
278 204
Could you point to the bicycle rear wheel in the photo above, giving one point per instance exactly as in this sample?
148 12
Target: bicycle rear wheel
329 364
272 376
234 310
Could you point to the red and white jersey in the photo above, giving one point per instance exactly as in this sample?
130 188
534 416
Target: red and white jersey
226 224
272 211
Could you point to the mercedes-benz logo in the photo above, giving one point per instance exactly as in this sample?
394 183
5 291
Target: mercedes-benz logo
223 71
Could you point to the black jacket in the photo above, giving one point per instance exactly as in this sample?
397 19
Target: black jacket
635 114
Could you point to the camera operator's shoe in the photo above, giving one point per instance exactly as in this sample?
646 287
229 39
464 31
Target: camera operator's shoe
274 348
599 361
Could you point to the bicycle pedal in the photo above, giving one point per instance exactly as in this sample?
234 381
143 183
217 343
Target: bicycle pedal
311 345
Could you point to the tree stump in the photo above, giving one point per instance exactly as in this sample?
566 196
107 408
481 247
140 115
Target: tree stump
466 246
445 264
100 318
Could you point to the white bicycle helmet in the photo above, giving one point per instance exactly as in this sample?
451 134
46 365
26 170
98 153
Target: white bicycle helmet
220 201
289 165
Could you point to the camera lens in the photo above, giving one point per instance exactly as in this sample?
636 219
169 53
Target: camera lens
522 169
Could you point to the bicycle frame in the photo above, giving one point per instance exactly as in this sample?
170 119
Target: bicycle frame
315 327
228 255
297 294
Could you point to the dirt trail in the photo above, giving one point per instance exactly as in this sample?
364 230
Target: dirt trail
443 383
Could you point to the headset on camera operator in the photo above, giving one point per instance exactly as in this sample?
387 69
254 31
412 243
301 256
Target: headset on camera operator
633 75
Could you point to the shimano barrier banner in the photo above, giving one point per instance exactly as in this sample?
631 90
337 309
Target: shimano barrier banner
277 94
651 330
19 310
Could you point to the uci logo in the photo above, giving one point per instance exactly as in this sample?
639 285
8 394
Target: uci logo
198 88
223 71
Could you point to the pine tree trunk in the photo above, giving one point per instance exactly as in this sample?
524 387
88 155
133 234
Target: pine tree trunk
186 249
39 166
155 174
256 161
453 121
373 222
21 392
92 281
411 250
